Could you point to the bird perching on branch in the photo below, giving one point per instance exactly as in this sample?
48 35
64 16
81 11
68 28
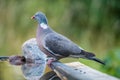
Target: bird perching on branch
56 45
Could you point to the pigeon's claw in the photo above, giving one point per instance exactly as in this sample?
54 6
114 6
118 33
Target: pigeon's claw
50 60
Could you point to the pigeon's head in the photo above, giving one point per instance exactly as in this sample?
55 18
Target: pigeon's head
40 17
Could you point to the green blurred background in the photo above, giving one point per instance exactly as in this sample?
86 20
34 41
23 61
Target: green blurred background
92 24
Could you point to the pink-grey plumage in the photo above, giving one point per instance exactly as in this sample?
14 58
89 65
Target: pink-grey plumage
56 45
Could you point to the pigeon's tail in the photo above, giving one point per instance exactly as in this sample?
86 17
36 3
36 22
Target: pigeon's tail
97 60
91 56
4 58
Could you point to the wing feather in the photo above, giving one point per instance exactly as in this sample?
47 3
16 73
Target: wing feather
60 45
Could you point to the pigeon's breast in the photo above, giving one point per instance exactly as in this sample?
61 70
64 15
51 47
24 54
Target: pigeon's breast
40 37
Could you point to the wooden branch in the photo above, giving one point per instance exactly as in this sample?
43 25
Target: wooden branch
78 71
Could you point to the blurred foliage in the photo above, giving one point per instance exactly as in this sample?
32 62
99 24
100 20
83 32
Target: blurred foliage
92 24
113 63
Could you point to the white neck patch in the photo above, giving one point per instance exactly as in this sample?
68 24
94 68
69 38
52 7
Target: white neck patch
44 26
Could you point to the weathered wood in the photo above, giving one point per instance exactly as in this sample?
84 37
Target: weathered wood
78 71
90 73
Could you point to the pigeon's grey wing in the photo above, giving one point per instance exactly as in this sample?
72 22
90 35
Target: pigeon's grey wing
60 45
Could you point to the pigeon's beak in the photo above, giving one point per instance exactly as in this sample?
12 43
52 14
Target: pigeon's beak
33 17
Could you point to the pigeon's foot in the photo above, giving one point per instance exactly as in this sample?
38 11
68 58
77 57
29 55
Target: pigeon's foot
50 60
